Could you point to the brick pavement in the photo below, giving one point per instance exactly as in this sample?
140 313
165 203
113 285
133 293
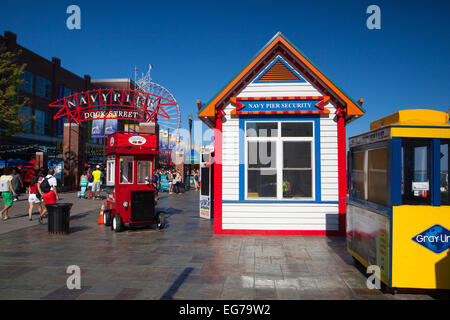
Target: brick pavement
183 261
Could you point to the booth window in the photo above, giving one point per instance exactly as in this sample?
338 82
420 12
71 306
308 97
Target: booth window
369 175
416 168
126 170
144 170
279 157
445 164
110 172
377 176
358 175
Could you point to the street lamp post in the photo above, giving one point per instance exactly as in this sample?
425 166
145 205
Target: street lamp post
190 150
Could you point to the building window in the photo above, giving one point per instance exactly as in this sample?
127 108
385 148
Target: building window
26 113
27 81
43 87
279 160
41 122
445 163
67 92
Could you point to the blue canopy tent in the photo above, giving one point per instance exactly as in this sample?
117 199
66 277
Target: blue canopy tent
15 163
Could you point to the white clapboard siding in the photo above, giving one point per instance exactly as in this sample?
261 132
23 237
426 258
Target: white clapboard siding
276 216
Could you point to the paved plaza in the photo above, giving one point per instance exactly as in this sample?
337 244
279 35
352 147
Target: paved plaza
183 261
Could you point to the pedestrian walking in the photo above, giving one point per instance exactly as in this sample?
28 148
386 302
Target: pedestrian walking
16 182
170 179
196 180
34 197
156 184
7 191
48 191
177 182
83 184
96 182
90 178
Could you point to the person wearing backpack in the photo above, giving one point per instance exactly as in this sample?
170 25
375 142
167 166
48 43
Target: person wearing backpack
34 195
47 188
7 191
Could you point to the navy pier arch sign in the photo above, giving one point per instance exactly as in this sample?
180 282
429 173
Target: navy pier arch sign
121 104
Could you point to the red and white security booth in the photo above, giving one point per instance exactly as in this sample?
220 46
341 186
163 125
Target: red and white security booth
280 147
129 172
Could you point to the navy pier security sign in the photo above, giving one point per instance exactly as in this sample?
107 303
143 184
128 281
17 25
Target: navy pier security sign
279 105
435 238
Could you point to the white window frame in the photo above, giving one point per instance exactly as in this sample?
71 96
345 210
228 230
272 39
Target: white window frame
279 159
110 174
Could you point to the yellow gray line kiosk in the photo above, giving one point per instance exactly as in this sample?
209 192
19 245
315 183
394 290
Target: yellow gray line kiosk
398 211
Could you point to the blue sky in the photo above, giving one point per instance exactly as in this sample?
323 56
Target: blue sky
196 47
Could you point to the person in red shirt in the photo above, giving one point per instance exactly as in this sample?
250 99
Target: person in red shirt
34 195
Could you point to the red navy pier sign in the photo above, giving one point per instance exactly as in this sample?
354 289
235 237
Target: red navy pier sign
112 104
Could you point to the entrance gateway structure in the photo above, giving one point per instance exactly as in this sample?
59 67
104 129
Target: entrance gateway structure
121 104
280 147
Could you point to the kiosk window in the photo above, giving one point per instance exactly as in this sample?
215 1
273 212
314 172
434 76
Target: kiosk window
262 174
416 171
297 170
445 163
377 176
279 160
144 170
358 175
262 129
126 170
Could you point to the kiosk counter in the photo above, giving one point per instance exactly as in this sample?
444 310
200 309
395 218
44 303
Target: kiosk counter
398 211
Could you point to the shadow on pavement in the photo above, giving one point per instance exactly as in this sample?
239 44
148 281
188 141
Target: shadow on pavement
168 295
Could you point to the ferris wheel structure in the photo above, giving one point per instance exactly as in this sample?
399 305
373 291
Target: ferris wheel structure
163 104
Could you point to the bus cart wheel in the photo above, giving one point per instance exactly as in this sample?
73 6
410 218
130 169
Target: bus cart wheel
107 217
117 223
160 220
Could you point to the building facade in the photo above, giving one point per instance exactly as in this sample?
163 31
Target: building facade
44 81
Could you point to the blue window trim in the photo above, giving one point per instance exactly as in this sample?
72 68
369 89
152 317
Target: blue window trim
314 118
396 171
435 172
301 79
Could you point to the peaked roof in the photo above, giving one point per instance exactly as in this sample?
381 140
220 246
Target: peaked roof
208 110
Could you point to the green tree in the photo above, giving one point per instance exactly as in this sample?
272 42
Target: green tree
10 100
